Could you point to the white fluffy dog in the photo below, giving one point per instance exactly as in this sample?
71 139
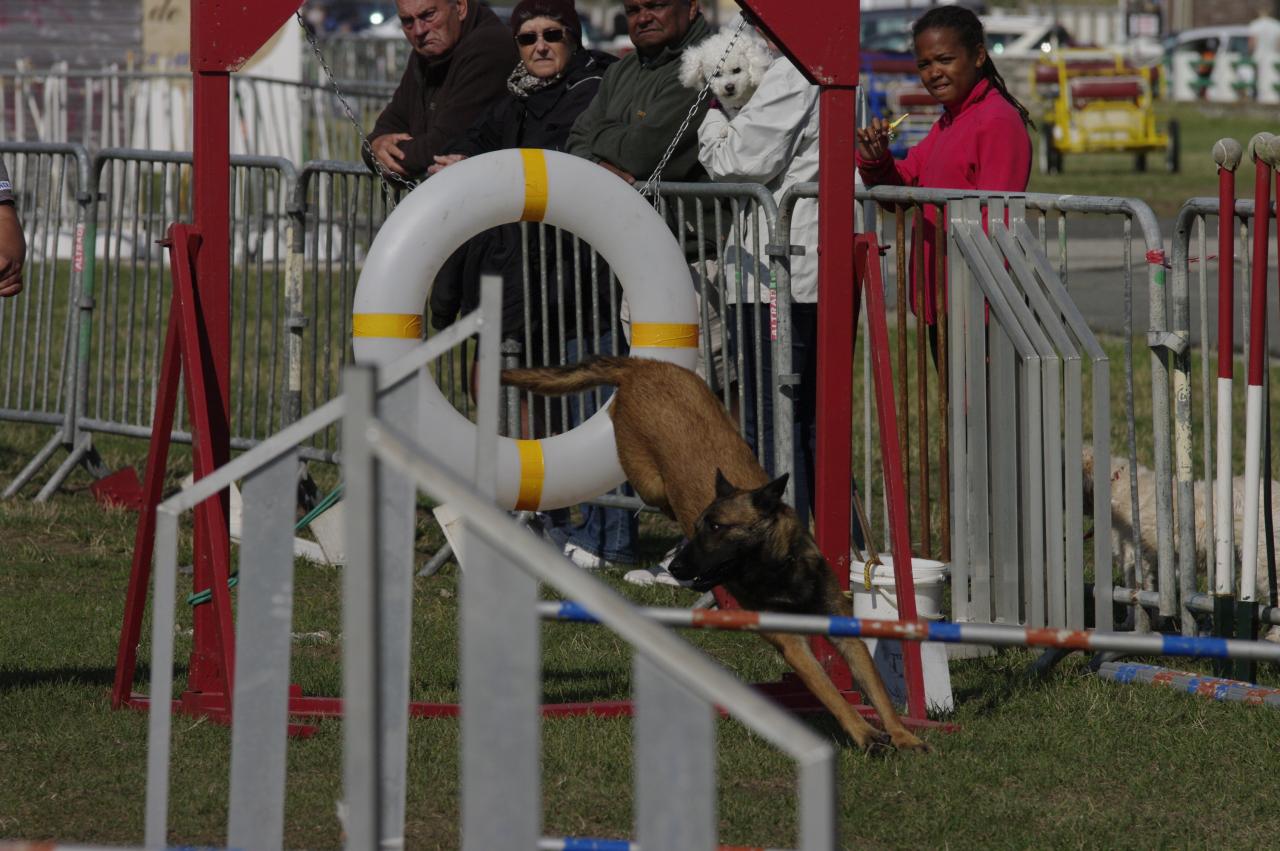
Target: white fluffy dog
745 61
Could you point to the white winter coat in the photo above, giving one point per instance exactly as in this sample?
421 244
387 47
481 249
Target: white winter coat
773 140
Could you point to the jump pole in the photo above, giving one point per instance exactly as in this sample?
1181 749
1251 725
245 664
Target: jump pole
1227 154
1246 615
827 53
996 635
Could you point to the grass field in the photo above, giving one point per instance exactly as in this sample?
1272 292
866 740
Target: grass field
1063 761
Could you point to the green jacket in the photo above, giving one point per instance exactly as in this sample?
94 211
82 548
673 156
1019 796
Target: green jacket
635 115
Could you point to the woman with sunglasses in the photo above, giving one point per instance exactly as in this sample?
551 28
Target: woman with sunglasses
552 84
554 81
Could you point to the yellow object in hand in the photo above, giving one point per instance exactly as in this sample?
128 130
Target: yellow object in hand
893 125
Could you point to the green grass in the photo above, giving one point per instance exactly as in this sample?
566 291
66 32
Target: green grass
1068 761
1113 174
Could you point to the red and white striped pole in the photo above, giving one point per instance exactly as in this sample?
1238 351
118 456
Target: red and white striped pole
1227 154
1245 616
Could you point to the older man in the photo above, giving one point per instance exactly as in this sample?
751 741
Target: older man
641 103
462 56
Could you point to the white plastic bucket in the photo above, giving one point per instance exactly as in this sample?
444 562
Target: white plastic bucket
880 600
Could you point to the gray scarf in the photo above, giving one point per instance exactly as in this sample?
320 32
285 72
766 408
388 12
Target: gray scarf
522 84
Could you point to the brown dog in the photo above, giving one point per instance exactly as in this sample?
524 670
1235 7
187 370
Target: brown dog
680 451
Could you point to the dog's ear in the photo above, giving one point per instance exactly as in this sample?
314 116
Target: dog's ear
691 69
759 62
769 497
723 487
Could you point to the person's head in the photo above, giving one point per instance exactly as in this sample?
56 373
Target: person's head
544 46
547 33
655 24
432 27
951 56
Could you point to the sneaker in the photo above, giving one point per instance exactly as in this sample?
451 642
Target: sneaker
656 575
584 558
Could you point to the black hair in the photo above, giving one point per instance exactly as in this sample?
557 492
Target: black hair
969 30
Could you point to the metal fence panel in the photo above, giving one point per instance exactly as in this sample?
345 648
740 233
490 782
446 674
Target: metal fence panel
139 194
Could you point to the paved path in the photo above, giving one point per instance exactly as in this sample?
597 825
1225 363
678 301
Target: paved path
1095 278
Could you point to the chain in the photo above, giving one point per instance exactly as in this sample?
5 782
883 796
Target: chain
654 183
365 146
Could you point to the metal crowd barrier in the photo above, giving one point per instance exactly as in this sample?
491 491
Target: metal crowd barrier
500 661
139 193
40 372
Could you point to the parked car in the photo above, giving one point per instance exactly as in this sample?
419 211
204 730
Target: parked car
887 29
1201 40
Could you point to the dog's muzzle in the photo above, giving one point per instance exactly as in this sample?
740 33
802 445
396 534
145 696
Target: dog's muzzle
685 568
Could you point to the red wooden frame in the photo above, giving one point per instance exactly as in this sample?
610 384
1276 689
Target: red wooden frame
198 344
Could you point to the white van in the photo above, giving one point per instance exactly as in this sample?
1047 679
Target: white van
1183 52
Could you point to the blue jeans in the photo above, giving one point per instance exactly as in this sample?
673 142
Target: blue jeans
606 532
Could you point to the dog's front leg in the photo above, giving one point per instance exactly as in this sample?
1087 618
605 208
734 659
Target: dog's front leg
859 659
795 649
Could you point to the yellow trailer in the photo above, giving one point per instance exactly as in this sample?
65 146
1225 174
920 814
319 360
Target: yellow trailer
1095 102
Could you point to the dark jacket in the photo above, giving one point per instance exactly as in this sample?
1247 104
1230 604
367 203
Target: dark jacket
540 120
640 107
438 99
631 123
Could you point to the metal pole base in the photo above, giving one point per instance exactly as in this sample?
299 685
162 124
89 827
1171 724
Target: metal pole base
1223 627
1246 622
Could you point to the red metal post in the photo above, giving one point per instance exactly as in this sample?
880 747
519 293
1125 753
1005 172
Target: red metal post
835 327
212 211
223 37
1226 269
868 280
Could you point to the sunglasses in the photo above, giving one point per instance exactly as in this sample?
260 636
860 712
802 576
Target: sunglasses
551 36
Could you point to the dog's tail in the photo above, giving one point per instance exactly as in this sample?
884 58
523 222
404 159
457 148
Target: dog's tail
575 378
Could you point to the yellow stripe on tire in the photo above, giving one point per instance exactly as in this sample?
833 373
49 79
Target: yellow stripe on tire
664 335
532 474
403 326
535 185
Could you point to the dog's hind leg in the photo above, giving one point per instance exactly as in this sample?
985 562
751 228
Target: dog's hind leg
859 659
795 650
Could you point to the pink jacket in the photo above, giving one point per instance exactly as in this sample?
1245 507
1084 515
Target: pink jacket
982 144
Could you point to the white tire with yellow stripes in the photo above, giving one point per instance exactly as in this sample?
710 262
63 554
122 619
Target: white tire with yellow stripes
511 186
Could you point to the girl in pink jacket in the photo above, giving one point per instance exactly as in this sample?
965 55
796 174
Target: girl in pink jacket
980 142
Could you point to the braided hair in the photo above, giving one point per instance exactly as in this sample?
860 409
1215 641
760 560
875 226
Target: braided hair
969 30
